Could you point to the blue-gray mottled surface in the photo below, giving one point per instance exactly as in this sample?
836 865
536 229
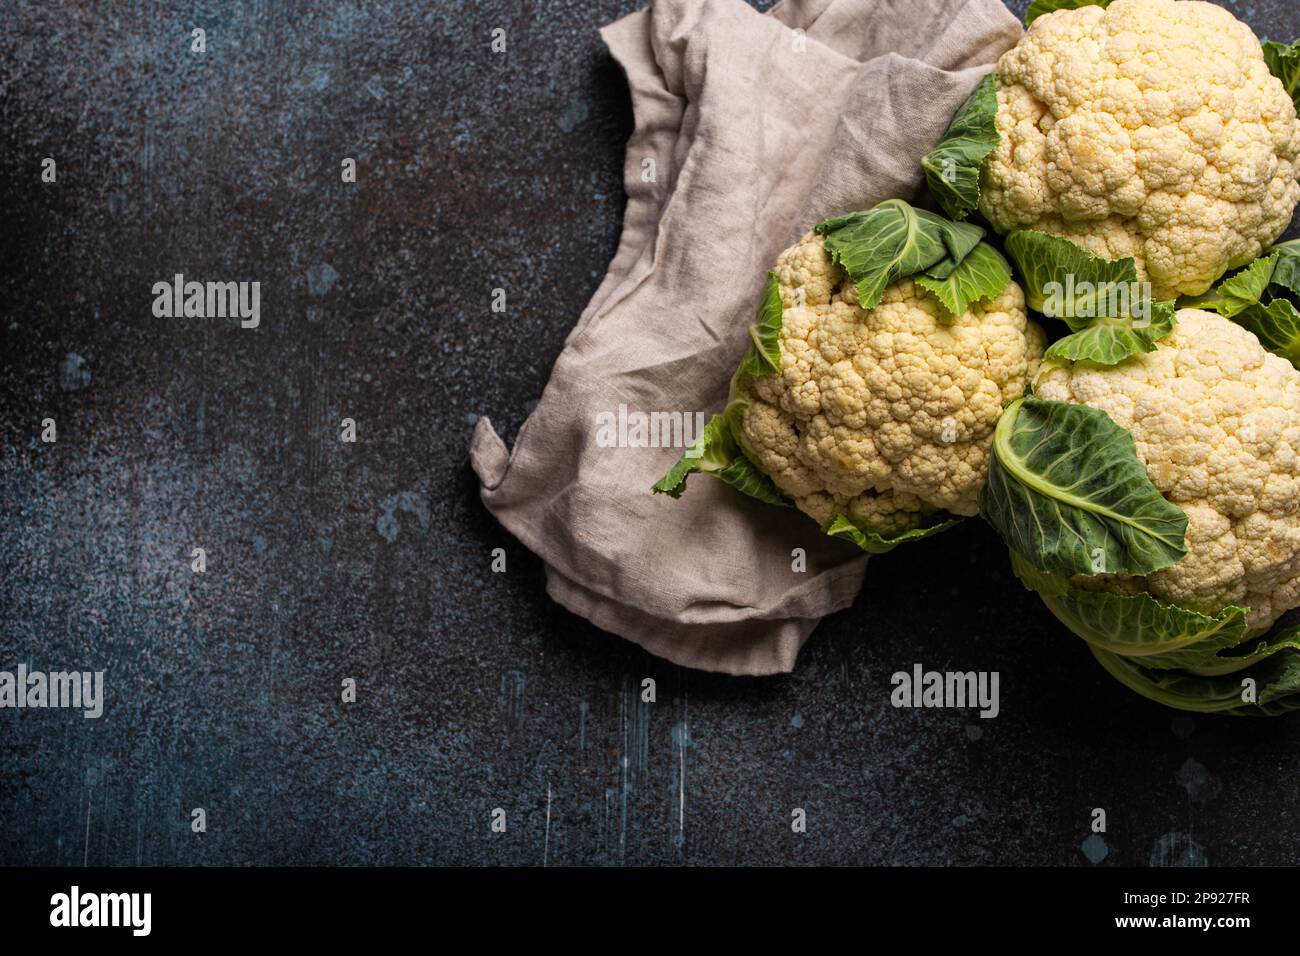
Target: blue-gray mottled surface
370 560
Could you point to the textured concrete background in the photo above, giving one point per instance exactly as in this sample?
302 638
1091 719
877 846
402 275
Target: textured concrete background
330 560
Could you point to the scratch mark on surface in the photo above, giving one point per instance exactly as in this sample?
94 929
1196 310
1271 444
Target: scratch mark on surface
514 685
681 793
635 719
681 740
1177 849
622 825
546 841
85 856
634 723
604 830
582 725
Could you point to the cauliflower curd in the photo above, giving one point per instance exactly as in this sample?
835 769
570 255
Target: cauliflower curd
1151 129
885 415
1216 421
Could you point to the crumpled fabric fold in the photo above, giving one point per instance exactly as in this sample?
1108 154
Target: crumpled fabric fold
749 129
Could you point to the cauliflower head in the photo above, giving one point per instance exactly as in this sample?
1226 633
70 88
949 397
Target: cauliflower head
1151 129
885 415
1216 421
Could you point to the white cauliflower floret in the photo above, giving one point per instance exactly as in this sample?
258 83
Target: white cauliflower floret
885 415
1216 421
1151 129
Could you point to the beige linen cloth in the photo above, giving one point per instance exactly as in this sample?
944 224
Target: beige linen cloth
750 128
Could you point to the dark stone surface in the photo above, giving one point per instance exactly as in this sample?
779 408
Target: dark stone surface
370 560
